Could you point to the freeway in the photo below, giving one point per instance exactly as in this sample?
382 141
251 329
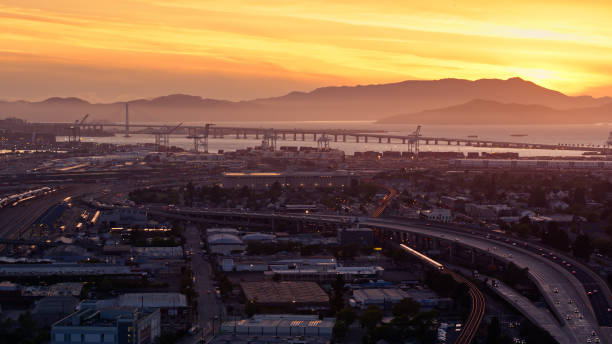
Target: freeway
562 290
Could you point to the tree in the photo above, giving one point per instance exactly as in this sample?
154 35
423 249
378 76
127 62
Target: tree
370 317
215 195
406 306
276 190
251 308
346 315
515 275
493 331
339 331
579 196
189 194
556 237
337 299
537 198
583 247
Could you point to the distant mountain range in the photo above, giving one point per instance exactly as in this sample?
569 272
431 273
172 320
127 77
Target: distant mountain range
451 101
481 111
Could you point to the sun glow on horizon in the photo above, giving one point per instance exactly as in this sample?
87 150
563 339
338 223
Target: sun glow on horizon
241 50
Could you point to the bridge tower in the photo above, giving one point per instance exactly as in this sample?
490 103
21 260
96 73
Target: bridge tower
162 138
127 121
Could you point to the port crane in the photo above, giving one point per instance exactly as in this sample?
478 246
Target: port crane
75 129
162 138
200 137
413 141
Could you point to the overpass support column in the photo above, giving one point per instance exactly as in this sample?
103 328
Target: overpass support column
314 136
237 134
343 138
244 135
403 141
366 139
294 136
303 137
335 138
257 135
284 137
357 139
380 140
388 140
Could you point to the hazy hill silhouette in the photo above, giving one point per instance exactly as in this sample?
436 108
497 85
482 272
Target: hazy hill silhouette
371 102
491 112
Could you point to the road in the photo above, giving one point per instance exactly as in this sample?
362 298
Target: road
208 305
563 293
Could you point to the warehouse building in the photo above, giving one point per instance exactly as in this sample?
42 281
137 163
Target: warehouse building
119 326
383 298
281 325
264 180
286 295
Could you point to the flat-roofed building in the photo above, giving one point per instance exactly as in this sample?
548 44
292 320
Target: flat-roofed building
108 326
174 310
286 295
385 298
225 244
263 180
358 235
281 325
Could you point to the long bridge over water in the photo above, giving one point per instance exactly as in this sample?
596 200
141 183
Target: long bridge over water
198 132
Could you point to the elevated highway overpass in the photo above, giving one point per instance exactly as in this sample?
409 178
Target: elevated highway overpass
563 291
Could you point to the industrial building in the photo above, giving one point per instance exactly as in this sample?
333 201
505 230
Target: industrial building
359 236
533 164
263 180
25 270
487 211
112 326
281 325
126 217
384 298
225 244
286 295
174 310
437 215
349 273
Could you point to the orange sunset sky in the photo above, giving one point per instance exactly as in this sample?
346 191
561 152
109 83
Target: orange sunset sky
121 49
